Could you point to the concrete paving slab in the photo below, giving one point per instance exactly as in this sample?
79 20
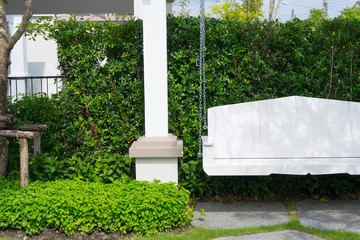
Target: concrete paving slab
239 215
330 215
280 235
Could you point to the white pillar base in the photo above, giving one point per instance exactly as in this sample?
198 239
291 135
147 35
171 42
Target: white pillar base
163 169
157 158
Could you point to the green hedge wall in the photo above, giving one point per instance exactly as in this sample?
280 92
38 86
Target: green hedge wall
103 105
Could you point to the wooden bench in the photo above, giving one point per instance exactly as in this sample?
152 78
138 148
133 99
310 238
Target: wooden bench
27 131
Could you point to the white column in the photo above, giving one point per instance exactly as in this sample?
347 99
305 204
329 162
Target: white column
138 8
157 153
155 68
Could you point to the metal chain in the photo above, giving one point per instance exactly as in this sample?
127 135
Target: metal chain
202 84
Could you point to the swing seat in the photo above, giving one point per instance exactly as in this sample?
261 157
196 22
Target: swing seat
291 135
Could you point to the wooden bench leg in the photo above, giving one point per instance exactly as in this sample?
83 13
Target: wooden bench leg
37 144
24 162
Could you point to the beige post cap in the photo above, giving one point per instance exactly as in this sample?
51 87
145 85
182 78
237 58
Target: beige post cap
149 147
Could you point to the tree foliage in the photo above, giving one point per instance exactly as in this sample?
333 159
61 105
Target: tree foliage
184 7
351 12
247 10
316 15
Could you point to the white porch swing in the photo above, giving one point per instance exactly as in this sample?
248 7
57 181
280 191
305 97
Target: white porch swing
291 135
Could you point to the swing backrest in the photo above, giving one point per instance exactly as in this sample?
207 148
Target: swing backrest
291 135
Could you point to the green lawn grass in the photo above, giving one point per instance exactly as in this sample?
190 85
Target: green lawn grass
294 224
203 234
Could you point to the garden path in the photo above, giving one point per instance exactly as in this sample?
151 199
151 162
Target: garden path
338 215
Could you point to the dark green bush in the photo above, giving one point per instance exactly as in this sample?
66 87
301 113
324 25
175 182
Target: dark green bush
11 181
71 206
103 106
33 109
54 162
101 166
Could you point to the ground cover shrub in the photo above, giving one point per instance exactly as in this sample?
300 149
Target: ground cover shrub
70 206
102 102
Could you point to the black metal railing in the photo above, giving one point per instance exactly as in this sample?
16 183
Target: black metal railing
33 84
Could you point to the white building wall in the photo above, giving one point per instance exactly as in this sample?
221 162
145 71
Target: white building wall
39 58
18 56
31 58
42 61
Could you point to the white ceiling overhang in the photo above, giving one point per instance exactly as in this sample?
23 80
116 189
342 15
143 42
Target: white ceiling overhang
72 6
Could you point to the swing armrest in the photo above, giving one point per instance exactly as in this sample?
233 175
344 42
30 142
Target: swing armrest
206 141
